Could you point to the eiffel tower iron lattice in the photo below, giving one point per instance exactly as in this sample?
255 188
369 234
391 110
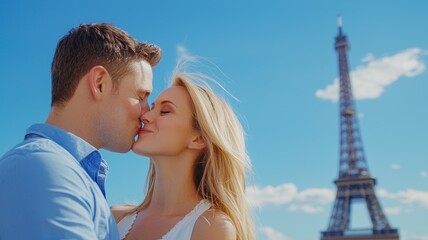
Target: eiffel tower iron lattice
354 181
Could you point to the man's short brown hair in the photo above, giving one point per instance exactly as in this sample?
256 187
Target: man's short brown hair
89 45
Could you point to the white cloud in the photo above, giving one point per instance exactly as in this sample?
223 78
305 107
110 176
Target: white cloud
409 196
272 234
316 196
424 174
271 195
395 166
370 80
314 200
307 201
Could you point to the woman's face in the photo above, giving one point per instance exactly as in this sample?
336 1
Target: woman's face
167 127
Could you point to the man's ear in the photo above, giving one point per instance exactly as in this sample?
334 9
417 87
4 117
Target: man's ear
98 78
198 142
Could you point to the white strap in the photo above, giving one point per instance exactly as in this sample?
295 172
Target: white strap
125 225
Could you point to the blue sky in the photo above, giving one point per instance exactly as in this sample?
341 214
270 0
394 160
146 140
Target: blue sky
277 58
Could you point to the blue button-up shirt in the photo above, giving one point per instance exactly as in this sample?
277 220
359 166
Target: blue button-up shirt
52 187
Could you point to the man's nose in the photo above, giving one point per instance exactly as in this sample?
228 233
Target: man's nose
144 107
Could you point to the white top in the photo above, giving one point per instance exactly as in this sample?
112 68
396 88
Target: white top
181 231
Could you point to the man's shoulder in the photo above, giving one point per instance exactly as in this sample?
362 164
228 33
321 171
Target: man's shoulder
38 158
44 171
41 149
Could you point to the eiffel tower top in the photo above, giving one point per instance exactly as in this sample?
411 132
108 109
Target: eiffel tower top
341 40
339 24
352 163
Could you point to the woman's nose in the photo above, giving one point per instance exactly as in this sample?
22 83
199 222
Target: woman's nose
145 117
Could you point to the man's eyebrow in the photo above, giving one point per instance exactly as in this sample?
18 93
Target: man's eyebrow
144 93
141 91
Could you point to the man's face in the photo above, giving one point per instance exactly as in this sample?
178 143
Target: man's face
121 121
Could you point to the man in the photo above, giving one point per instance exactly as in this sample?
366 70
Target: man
52 183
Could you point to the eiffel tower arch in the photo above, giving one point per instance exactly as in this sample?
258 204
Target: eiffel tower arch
354 181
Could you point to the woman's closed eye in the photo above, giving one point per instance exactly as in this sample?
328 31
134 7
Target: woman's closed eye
163 112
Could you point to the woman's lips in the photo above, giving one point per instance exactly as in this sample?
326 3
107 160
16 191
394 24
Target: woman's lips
145 130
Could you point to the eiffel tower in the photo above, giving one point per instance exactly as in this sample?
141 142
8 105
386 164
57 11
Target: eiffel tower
354 182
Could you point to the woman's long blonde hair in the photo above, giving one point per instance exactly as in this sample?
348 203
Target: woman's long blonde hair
220 172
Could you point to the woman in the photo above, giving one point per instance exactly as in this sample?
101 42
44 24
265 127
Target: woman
196 181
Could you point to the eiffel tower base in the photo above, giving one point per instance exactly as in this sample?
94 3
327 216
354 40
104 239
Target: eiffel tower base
357 188
361 238
391 234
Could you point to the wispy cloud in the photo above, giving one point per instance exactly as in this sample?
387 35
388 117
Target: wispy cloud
306 208
314 200
368 58
393 210
370 79
395 166
184 54
272 234
424 174
409 196
315 196
271 195
308 201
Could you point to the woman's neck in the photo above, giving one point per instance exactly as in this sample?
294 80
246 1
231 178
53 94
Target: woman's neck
174 190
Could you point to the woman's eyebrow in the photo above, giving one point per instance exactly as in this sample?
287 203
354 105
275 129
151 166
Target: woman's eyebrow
164 102
168 101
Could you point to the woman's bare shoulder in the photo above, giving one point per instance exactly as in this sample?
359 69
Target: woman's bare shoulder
120 211
214 224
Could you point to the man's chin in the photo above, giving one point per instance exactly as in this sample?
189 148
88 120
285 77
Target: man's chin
133 143
122 148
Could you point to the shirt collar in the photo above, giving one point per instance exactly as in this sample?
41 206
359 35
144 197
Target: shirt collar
86 154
